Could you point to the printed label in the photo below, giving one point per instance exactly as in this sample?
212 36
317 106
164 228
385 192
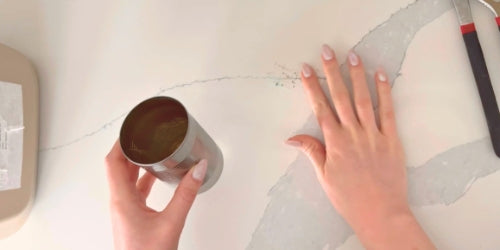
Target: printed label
3 134
11 135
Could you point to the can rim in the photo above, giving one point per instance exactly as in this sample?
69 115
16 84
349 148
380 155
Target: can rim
175 151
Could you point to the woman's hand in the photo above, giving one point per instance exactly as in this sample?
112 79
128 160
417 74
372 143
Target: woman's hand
361 166
135 225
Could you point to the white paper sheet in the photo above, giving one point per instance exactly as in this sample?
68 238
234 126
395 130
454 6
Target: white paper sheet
11 135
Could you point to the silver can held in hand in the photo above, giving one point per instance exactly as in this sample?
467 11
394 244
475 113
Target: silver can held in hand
160 136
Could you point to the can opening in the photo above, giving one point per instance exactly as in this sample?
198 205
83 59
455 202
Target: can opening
153 130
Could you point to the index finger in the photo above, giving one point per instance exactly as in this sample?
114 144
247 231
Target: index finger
321 106
120 173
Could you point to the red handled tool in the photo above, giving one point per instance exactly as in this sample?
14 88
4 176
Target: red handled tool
478 64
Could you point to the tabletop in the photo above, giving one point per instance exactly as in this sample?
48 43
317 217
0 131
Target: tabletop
235 66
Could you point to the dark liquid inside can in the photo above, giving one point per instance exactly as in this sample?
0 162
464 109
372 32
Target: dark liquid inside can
154 131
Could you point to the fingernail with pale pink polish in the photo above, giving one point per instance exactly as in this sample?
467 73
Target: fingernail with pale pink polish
381 76
200 170
353 58
327 52
294 143
306 70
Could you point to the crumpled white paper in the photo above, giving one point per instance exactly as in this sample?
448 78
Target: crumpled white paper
11 135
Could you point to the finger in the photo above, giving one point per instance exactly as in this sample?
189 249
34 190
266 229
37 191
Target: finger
145 184
362 99
120 172
185 194
320 104
338 90
313 148
386 108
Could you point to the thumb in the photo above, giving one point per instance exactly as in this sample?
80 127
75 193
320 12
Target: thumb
185 194
312 147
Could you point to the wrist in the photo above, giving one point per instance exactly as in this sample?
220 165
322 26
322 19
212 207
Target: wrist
379 221
395 228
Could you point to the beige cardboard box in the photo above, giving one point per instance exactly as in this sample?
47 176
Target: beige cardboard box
16 204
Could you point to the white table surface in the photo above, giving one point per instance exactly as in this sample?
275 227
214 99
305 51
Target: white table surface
233 64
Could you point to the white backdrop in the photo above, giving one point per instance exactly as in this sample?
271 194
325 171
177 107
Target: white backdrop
234 65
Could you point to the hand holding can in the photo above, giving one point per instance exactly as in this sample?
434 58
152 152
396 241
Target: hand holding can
160 136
